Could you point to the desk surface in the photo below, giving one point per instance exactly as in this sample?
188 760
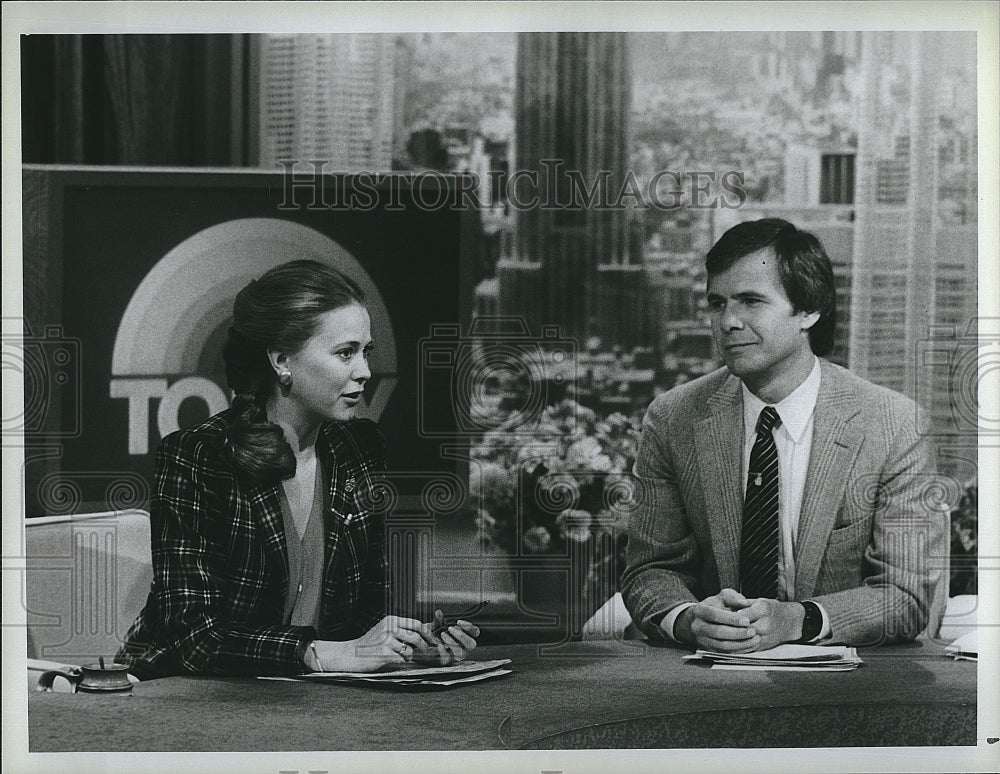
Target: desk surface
581 695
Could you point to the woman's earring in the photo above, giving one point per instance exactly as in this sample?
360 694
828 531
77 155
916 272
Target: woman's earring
285 380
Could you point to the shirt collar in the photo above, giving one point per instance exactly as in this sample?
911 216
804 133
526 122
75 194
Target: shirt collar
795 410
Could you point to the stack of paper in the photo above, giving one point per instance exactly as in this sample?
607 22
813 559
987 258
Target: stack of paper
965 648
416 679
784 658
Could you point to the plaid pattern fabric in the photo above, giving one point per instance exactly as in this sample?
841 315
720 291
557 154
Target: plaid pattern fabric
220 568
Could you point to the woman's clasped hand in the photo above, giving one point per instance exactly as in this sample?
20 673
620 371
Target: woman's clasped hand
395 641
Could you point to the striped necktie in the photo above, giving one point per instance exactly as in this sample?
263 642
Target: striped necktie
759 549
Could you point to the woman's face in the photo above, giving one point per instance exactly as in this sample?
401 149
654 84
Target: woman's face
330 371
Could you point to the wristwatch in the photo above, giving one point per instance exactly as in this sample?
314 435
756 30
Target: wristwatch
812 624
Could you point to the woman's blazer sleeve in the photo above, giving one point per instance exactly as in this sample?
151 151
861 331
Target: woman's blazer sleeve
208 595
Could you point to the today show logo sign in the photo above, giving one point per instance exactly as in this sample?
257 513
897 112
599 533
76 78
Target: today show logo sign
187 297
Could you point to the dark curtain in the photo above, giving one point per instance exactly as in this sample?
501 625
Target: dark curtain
178 100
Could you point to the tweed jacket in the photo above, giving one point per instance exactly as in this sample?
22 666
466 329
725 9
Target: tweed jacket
870 540
220 567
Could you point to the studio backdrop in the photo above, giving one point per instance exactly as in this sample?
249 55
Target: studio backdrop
129 281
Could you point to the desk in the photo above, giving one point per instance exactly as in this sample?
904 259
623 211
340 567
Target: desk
584 695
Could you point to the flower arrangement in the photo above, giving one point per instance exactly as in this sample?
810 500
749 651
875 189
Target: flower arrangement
557 484
566 480
964 543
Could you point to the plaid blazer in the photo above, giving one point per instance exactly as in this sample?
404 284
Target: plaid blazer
220 567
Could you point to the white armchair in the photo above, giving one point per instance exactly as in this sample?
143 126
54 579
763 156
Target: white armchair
86 578
611 622
960 617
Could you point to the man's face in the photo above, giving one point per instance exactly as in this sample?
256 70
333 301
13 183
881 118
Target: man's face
762 339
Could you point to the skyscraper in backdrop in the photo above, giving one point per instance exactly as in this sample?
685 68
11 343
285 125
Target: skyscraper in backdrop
327 97
899 221
579 268
915 273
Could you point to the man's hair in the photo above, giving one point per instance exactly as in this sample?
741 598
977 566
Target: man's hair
803 266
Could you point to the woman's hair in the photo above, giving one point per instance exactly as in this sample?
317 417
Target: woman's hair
278 311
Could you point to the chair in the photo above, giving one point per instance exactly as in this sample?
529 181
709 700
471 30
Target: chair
87 577
960 617
611 622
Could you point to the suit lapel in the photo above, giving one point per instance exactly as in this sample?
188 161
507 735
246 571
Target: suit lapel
719 449
836 442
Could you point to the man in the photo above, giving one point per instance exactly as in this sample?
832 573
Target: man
780 497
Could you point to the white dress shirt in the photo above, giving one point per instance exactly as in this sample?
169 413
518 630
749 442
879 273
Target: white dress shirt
793 439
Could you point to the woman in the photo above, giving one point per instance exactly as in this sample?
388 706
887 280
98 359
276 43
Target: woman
267 555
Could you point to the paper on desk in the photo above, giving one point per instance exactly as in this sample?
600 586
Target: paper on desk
965 648
845 667
800 654
791 653
415 679
784 657
424 683
463 667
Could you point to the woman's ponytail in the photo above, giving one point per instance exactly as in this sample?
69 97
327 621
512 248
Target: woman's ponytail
279 310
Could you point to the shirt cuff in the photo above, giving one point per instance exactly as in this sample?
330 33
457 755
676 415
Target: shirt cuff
825 630
667 624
